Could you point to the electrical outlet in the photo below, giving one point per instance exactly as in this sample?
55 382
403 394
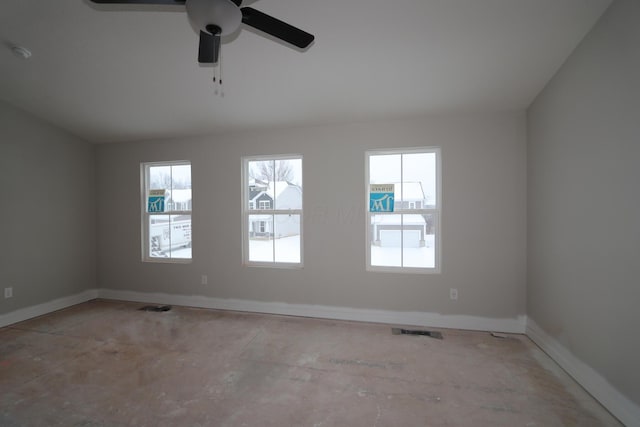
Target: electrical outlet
453 294
8 292
204 280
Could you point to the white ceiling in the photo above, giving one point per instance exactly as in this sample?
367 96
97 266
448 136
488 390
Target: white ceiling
120 73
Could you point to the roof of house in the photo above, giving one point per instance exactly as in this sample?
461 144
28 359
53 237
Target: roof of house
179 195
408 191
277 188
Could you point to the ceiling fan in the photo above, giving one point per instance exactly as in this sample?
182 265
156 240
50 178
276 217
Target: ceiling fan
216 18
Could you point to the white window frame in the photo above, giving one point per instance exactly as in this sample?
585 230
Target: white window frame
247 211
144 192
435 212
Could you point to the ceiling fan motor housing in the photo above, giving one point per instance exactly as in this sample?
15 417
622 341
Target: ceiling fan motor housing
224 14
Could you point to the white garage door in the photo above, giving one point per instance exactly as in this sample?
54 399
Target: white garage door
391 238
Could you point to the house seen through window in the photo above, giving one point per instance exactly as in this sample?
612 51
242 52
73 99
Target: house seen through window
166 211
404 210
272 210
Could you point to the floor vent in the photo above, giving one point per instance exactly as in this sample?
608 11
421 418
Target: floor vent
155 308
432 334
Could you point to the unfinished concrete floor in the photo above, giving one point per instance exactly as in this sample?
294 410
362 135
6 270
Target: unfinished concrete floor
105 363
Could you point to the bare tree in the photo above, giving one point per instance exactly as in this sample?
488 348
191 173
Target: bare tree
163 179
272 170
160 180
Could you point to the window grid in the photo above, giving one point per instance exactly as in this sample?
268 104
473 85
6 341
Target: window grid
264 205
166 233
269 229
430 212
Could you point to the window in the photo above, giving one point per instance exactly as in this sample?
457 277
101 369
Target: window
403 210
272 234
264 204
166 211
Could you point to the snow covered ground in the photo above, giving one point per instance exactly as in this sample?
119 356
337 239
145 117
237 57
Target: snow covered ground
181 253
176 253
287 250
411 257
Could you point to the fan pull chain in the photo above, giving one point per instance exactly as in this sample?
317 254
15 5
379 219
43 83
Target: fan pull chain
217 74
219 90
215 64
220 65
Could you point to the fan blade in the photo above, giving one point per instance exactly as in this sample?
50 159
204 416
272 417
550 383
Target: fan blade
275 27
209 48
139 1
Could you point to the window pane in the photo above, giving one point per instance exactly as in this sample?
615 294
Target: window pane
260 238
419 181
262 171
179 197
418 241
384 169
287 188
260 175
159 236
181 176
170 236
180 236
386 243
287 238
159 177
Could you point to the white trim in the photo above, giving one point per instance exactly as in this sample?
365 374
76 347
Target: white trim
508 325
46 307
619 405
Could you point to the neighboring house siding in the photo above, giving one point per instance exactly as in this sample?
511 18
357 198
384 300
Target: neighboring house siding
263 197
287 196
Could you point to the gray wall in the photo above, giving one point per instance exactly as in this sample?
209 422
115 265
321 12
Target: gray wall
584 201
48 213
483 217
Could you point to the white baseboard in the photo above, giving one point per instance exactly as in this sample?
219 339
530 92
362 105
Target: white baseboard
509 325
47 307
615 402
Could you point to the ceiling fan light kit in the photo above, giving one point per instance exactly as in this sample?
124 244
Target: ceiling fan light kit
217 18
223 14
